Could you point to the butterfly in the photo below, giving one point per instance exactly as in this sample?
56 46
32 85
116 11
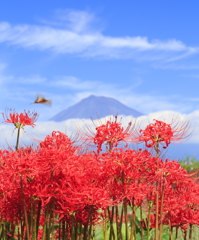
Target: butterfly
41 99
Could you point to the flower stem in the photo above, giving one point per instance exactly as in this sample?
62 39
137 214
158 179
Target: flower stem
141 228
111 218
148 221
38 217
156 215
17 143
24 208
133 225
161 209
125 219
90 220
190 231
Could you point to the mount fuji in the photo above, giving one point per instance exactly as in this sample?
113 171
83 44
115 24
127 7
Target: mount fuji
95 107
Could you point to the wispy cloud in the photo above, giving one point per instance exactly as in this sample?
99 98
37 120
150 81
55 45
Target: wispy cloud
33 79
193 99
71 82
76 35
4 77
76 20
176 65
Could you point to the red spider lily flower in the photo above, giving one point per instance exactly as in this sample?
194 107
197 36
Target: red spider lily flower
161 132
110 133
20 119
56 140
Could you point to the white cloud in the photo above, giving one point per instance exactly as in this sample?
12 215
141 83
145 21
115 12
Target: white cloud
73 83
2 67
77 36
77 21
176 66
193 99
142 43
3 77
34 79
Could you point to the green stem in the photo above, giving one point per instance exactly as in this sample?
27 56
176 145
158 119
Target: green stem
93 236
31 218
185 234
148 221
72 230
20 228
171 230
117 223
157 149
45 227
126 220
177 232
80 231
190 231
38 217
17 143
133 225
3 232
111 218
85 232
14 226
105 226
121 221
171 233
76 230
52 219
90 220
161 210
63 230
156 214
141 228
24 208
34 227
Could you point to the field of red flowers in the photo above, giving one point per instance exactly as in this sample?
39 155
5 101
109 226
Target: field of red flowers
95 186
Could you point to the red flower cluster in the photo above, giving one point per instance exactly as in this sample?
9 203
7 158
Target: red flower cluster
22 119
156 133
111 134
54 175
161 132
79 188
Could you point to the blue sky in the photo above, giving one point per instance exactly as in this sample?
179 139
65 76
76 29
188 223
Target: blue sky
143 53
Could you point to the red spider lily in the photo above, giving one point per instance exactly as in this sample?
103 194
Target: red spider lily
78 189
21 119
161 132
56 140
51 174
123 174
110 133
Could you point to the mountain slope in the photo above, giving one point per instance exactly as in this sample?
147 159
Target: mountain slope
95 107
